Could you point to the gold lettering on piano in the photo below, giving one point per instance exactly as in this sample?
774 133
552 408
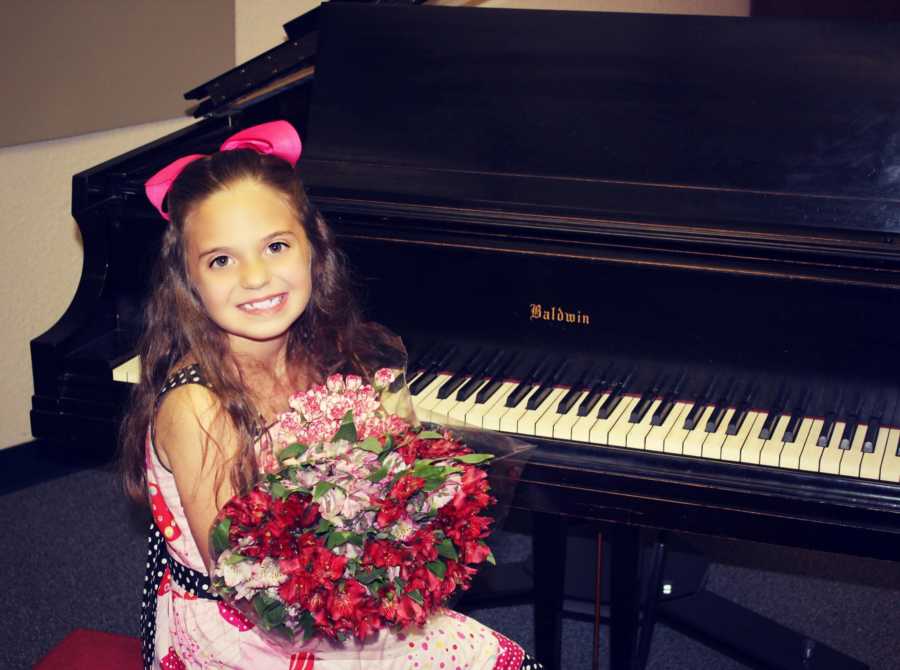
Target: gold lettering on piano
537 312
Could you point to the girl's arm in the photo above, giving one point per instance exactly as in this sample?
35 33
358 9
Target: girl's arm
197 441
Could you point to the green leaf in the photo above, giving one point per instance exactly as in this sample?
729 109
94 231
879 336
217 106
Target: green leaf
438 568
347 430
322 488
490 558
370 444
236 558
378 474
447 550
324 526
417 596
473 458
277 490
273 616
369 577
308 624
220 535
430 435
338 537
292 451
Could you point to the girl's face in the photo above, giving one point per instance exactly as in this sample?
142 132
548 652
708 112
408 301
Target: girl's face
249 260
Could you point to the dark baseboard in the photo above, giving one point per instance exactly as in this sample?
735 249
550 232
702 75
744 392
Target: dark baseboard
34 462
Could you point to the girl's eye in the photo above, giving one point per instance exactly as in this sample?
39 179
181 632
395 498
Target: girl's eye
219 262
277 247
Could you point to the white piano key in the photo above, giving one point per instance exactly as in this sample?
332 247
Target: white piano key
528 424
870 468
509 422
712 445
427 398
790 453
771 449
581 429
657 436
491 418
443 408
890 467
637 437
752 447
457 413
852 457
562 429
674 441
129 371
602 428
693 443
831 455
731 447
476 415
811 455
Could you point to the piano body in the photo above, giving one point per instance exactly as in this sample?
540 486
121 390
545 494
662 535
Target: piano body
664 249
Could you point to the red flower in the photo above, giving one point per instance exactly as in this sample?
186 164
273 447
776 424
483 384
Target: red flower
406 486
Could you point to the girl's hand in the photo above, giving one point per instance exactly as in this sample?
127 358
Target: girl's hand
197 442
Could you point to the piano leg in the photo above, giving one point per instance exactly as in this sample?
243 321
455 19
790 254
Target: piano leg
625 595
549 552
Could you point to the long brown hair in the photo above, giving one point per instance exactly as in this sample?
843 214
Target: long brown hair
329 336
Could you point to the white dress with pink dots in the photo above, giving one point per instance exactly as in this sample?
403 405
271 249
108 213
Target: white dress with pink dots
193 629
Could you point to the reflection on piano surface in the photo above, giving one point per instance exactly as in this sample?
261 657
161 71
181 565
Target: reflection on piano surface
663 247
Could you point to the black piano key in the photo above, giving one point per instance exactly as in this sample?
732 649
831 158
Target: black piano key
487 391
551 379
417 365
596 391
642 406
433 366
526 386
868 446
670 397
874 425
421 382
572 395
612 401
591 399
495 373
775 412
827 430
798 412
458 377
700 402
850 422
720 405
742 409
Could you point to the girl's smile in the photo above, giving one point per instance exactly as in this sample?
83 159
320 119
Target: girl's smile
249 259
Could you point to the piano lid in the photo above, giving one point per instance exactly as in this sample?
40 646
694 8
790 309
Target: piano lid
763 123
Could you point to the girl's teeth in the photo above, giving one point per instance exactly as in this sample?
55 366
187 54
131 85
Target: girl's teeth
263 304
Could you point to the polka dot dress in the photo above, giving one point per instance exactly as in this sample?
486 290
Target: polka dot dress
159 562
182 628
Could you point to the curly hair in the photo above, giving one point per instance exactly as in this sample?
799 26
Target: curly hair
329 336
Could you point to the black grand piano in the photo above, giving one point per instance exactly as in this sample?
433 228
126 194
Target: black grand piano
664 249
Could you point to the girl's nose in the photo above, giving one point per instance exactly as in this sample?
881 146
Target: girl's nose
255 274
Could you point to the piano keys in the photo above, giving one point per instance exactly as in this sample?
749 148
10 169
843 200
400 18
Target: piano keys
864 446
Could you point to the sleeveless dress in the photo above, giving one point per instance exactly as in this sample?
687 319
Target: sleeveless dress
184 625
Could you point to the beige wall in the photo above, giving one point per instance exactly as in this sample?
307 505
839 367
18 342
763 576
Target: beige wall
41 252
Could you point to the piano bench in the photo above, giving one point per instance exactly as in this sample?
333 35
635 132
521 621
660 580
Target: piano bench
84 649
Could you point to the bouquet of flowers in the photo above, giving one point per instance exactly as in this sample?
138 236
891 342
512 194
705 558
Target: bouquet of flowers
362 520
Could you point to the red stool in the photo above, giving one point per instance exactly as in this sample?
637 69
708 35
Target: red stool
84 649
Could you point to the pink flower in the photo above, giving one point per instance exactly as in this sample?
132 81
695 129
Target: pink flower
353 382
335 383
384 377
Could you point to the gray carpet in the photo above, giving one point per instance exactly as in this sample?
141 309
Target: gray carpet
73 556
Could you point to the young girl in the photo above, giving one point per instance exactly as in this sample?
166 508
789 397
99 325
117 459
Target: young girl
250 302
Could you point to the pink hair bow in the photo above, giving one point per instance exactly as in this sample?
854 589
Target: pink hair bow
276 137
